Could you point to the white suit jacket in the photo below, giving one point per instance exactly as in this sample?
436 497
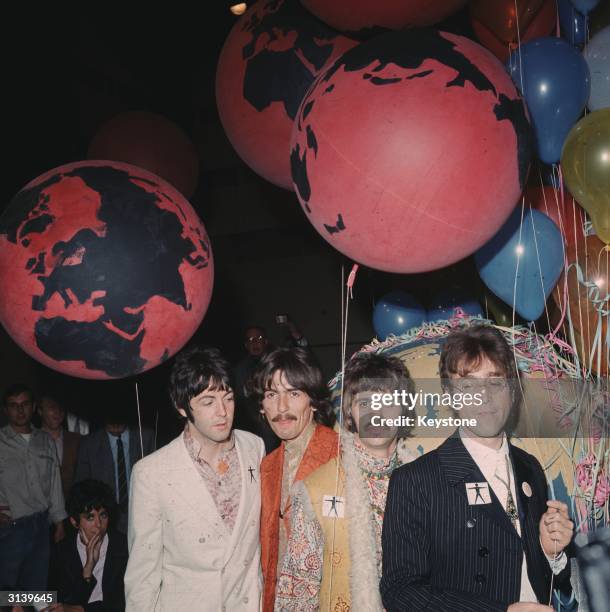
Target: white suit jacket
181 555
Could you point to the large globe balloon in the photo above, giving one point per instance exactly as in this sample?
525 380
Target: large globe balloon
152 142
106 270
357 15
411 150
266 66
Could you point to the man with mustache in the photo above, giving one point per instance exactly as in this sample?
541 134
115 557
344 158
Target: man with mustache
195 504
333 558
294 398
468 527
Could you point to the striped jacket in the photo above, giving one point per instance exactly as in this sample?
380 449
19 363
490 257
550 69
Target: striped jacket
444 555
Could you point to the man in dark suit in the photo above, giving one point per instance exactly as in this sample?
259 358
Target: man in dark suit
90 564
109 455
468 527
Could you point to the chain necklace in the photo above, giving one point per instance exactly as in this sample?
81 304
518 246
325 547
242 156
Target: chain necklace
511 508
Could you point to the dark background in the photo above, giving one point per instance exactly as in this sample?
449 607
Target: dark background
67 73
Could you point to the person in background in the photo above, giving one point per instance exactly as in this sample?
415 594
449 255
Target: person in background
30 495
109 455
90 562
247 417
52 419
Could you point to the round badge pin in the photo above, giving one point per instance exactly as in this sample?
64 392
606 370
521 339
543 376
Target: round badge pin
527 489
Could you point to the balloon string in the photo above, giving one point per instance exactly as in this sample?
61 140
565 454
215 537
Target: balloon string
546 310
519 49
349 285
139 420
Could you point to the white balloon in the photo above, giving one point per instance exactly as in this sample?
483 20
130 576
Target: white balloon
597 55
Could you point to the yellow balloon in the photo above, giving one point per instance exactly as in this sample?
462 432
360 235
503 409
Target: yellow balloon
585 163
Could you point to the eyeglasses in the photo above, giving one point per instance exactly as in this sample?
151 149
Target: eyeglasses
255 339
482 385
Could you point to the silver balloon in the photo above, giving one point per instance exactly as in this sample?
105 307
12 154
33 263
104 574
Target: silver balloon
597 55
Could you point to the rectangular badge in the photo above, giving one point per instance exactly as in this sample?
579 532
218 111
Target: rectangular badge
478 493
333 506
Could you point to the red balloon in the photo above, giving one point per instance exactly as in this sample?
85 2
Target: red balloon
152 142
411 151
355 15
567 213
268 62
495 23
106 270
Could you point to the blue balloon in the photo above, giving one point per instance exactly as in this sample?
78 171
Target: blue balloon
573 23
395 313
443 304
553 78
537 248
585 6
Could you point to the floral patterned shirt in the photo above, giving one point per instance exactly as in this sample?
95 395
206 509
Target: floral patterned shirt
223 480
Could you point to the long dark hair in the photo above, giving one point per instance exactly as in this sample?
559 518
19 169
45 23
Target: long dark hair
302 372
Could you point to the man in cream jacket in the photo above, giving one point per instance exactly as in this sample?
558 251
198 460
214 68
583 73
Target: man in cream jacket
195 504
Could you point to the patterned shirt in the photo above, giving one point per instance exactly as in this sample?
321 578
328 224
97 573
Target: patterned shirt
223 481
293 455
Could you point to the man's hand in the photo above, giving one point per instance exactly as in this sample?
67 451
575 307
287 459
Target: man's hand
5 517
93 553
556 528
524 606
60 533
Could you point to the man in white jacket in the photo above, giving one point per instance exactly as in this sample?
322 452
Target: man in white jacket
195 504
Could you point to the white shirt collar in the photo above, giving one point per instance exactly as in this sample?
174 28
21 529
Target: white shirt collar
479 452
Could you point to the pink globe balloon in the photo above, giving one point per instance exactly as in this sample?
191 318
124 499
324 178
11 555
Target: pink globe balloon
268 62
410 152
106 270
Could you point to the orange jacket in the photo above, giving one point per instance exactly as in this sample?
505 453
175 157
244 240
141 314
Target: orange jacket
321 448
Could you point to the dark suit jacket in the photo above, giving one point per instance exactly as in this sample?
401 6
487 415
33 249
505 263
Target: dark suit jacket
444 555
95 461
68 463
73 589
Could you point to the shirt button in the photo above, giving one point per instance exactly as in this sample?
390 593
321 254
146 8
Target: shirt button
246 561
470 523
483 551
222 571
224 609
480 579
245 600
201 540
